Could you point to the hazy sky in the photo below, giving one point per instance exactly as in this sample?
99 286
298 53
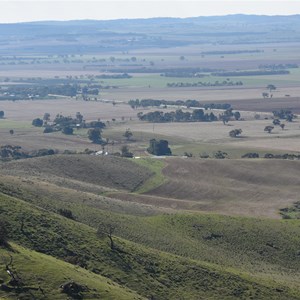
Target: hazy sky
23 10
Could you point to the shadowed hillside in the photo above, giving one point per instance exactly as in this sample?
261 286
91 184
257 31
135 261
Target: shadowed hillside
106 171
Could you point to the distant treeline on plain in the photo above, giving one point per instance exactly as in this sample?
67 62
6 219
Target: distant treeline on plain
184 103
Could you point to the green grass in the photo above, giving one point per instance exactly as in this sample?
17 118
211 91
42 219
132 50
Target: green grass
168 256
173 273
157 81
9 124
156 166
38 270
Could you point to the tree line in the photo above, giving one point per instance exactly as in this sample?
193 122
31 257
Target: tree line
187 103
252 73
278 66
221 52
21 92
204 84
198 115
9 152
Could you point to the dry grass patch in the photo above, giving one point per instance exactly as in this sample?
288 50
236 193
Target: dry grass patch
239 187
108 171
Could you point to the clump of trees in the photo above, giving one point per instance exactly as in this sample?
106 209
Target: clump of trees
197 115
220 154
187 103
282 156
39 91
67 130
228 114
9 152
128 134
37 122
95 135
158 148
284 114
125 152
1 114
235 132
251 155
67 124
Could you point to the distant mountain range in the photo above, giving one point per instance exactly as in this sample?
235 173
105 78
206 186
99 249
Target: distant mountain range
90 36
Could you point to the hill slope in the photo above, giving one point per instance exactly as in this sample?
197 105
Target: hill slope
107 171
151 273
42 276
241 187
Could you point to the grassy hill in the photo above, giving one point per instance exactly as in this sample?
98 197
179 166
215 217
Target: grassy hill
42 277
107 171
144 269
161 252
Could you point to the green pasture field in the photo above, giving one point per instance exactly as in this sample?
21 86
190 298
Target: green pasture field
156 179
157 81
11 124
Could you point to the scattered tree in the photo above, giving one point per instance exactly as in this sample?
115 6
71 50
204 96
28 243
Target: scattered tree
220 154
265 95
48 129
107 230
37 122
67 130
125 152
128 134
271 87
159 147
257 116
1 114
79 117
66 213
237 115
46 117
276 122
95 135
269 128
188 154
11 132
235 132
282 125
